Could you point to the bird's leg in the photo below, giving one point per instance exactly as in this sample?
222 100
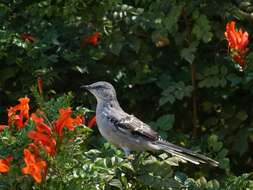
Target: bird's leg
128 154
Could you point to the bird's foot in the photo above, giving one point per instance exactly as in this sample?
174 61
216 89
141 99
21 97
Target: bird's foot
130 157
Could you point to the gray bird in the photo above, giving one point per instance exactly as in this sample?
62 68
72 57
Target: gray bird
128 132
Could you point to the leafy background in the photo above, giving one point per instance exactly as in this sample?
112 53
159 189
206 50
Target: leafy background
170 65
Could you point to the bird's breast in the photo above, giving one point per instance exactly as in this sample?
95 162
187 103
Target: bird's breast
105 127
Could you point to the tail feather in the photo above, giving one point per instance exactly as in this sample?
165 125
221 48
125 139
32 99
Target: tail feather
186 154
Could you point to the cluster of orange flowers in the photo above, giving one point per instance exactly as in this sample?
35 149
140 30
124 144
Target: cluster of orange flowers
43 136
19 113
237 43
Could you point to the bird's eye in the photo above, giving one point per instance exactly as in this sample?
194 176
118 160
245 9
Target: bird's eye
100 87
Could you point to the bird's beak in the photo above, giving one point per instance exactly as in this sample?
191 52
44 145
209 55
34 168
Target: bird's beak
87 87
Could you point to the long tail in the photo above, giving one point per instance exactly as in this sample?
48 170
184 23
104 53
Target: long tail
185 154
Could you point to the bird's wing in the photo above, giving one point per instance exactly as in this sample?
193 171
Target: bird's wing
132 125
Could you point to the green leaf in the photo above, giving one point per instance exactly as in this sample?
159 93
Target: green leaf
164 99
171 19
214 143
223 153
213 184
173 161
188 53
202 29
116 183
166 122
202 182
224 163
242 115
179 94
180 177
241 141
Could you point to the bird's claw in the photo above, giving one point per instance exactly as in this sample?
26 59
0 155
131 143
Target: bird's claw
130 157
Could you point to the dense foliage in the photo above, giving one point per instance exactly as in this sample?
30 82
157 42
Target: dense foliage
171 66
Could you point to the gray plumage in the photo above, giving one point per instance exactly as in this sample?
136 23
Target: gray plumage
128 132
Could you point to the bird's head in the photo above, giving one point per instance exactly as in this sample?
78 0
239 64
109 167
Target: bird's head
101 90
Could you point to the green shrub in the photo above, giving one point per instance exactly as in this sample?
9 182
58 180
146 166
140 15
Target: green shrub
171 66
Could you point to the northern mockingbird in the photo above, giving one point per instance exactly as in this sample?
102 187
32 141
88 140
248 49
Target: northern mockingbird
128 132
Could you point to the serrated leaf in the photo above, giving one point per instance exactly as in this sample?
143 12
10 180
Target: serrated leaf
169 98
179 94
164 81
171 19
188 54
202 29
166 122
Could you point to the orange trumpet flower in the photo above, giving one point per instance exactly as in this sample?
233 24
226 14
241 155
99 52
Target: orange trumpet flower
33 167
5 164
92 39
65 120
42 135
19 113
237 42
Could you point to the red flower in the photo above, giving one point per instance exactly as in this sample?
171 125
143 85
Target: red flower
5 164
92 39
18 113
40 125
92 122
237 42
35 149
65 120
47 142
43 135
28 37
236 39
33 167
